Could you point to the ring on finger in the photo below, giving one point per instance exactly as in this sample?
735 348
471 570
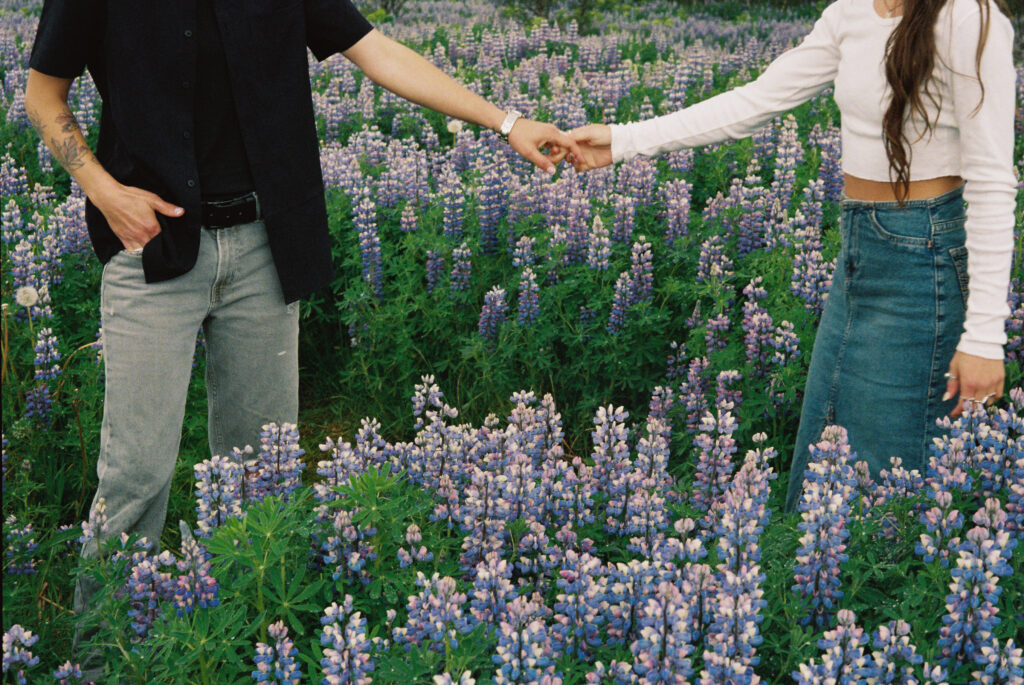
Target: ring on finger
950 376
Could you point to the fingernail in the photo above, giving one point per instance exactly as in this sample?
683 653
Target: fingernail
550 170
947 396
179 211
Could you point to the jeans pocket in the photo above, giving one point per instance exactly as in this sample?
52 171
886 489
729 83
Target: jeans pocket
959 256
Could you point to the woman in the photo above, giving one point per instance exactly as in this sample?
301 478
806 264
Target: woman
926 93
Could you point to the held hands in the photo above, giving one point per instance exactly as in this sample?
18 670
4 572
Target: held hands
131 213
974 378
595 145
528 136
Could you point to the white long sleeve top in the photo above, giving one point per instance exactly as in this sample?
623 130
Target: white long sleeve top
846 48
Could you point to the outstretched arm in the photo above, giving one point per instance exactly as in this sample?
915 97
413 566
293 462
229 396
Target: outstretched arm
409 75
794 77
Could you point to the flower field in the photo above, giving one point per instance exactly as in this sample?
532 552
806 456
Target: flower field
546 423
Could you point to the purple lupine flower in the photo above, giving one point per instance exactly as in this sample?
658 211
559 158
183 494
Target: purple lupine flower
528 307
757 327
277 664
942 522
436 618
812 279
974 601
788 155
97 525
493 205
599 246
662 651
1002 665
218 492
347 656
641 271
694 393
19 545
17 657
524 654
483 515
453 199
194 587
727 396
578 604
733 636
277 469
829 488
625 218
462 268
714 337
492 589
714 463
713 265
620 303
365 224
493 314
435 268
523 254
343 549
676 196
68 673
150 582
37 400
844 659
894 657
409 221
629 586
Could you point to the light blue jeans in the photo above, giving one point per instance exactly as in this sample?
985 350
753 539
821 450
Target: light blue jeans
149 338
889 330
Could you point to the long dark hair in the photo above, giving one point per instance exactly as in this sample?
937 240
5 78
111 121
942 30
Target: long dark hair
909 60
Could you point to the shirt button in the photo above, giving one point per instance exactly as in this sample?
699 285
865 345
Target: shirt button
191 183
186 84
188 33
186 134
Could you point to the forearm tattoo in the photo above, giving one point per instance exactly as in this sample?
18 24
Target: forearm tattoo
68 146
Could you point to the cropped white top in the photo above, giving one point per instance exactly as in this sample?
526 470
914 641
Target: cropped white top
847 48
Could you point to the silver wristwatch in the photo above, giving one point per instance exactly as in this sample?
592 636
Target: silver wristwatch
510 121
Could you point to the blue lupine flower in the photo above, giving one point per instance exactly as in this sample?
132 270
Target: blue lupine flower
277 664
844 659
68 673
17 657
462 268
493 313
19 543
348 653
620 303
599 246
365 224
829 488
662 651
436 618
435 269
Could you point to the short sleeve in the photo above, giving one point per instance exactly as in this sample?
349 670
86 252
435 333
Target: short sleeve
69 33
333 26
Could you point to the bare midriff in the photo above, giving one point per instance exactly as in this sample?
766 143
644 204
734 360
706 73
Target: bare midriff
881 191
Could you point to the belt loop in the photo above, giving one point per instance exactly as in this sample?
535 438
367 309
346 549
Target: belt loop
259 210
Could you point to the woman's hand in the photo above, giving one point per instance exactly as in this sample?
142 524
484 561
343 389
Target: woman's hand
595 144
974 378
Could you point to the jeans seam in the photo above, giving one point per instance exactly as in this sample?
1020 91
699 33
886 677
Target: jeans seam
216 420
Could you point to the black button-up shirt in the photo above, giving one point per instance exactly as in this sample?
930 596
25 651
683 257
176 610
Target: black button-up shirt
142 55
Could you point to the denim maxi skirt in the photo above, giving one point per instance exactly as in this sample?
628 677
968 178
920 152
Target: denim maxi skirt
888 332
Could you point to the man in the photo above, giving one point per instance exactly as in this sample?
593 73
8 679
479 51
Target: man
206 206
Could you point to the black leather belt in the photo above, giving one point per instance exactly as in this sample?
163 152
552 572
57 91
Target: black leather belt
230 212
